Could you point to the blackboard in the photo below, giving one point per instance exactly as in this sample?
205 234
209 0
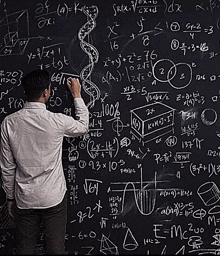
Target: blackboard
145 179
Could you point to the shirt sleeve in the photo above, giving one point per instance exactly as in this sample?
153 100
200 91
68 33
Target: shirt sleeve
80 125
7 163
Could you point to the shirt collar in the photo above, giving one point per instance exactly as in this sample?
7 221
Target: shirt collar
34 105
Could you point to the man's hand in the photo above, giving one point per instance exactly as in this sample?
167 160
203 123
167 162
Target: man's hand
11 209
75 87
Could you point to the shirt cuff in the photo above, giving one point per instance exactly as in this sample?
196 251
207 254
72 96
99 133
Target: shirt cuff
78 102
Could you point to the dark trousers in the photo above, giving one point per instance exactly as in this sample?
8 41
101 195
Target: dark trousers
53 220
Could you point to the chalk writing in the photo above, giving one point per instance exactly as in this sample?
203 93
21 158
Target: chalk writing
149 71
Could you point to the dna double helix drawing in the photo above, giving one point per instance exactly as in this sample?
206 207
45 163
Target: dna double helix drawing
89 87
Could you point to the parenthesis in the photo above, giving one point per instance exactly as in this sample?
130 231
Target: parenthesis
67 9
191 169
177 212
87 148
120 76
58 7
117 147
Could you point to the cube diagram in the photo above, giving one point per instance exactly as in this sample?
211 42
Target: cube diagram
152 121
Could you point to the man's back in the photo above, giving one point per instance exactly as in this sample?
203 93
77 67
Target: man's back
31 163
36 137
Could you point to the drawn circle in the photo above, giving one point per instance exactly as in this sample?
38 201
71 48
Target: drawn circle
73 156
175 44
117 126
199 214
82 144
162 68
171 141
136 124
195 241
175 26
209 193
208 116
214 210
183 76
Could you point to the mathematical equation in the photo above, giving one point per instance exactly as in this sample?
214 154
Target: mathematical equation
149 74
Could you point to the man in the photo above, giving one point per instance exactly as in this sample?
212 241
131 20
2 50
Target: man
31 163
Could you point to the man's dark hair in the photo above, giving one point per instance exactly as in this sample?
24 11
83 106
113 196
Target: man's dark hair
34 83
